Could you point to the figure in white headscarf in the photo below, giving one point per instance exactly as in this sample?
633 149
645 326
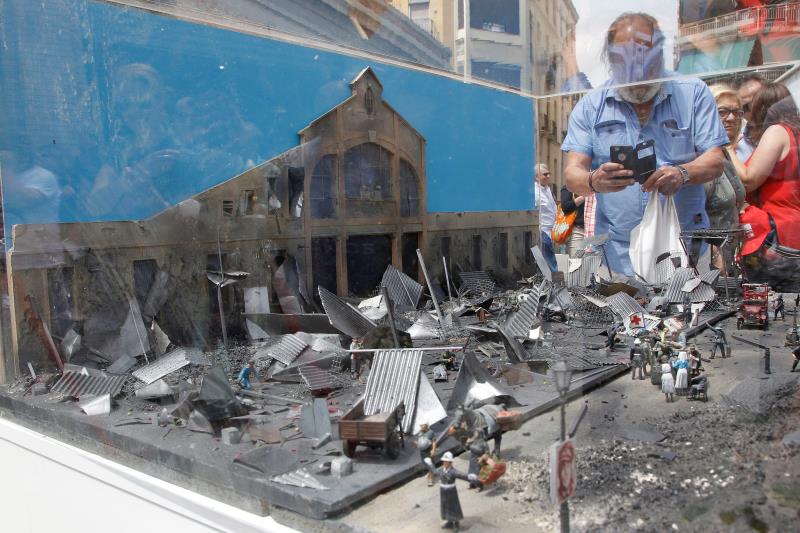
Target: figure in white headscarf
682 377
667 382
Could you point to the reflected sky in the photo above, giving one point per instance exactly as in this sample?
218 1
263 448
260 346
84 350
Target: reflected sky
593 15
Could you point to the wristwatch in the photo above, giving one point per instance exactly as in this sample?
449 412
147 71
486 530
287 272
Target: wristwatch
684 174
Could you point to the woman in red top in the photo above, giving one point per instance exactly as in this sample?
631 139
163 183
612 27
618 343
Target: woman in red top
772 179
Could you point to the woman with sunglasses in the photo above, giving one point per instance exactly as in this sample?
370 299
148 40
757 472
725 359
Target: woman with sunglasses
725 195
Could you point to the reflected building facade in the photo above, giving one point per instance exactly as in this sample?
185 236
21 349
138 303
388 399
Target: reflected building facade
524 44
726 35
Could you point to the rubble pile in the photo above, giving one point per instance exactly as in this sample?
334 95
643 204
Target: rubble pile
717 466
304 387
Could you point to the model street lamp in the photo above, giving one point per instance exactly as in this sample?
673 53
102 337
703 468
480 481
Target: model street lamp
562 375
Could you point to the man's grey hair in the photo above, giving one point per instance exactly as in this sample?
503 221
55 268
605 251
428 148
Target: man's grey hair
540 169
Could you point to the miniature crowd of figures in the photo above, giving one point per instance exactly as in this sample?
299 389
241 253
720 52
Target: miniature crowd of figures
473 427
678 369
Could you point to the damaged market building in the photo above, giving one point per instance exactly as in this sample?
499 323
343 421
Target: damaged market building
332 212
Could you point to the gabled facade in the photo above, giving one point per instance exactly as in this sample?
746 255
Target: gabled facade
349 200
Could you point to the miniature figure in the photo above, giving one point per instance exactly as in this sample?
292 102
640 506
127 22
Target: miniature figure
796 355
698 385
647 354
720 341
449 360
355 358
477 450
466 421
244 375
637 359
667 382
450 506
593 282
779 307
687 308
682 377
695 360
611 334
426 446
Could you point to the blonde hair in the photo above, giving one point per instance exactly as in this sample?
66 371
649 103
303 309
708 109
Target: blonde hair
718 90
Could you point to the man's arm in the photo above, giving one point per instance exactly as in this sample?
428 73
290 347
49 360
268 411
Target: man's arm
669 179
608 177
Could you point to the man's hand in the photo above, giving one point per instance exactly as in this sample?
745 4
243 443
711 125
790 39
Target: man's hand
666 180
611 177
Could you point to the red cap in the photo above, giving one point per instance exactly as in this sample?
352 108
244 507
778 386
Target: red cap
759 224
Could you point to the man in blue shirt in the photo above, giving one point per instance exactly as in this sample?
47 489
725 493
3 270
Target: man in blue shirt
679 115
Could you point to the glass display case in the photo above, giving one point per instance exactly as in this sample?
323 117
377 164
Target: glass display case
342 192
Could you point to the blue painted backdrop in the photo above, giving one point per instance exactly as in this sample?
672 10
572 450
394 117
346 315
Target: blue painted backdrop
115 114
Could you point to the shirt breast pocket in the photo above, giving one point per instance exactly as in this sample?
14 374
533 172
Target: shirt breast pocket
678 143
607 134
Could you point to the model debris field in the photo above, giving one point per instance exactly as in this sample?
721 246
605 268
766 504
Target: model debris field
322 415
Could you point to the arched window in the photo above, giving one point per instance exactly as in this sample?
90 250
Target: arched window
409 190
323 188
367 181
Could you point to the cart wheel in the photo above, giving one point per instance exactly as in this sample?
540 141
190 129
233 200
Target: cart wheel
349 448
391 447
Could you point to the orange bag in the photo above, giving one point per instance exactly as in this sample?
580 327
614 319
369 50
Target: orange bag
562 229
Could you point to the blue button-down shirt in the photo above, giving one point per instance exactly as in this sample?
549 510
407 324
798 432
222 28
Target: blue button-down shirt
684 124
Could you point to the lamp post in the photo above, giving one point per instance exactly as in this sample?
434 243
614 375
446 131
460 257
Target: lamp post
562 375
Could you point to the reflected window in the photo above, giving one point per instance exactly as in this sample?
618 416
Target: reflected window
323 188
296 186
323 264
367 171
409 190
499 16
59 287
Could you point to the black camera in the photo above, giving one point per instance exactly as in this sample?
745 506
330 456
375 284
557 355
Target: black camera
641 159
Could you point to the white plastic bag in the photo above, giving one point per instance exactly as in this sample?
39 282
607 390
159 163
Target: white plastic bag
658 232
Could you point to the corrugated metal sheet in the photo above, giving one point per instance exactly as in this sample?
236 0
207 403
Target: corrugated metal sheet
477 282
580 277
77 384
576 357
287 349
624 305
673 293
520 323
598 300
344 317
164 365
394 378
664 271
702 293
542 290
541 262
315 378
404 291
731 283
564 299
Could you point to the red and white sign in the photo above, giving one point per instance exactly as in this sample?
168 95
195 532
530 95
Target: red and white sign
563 475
